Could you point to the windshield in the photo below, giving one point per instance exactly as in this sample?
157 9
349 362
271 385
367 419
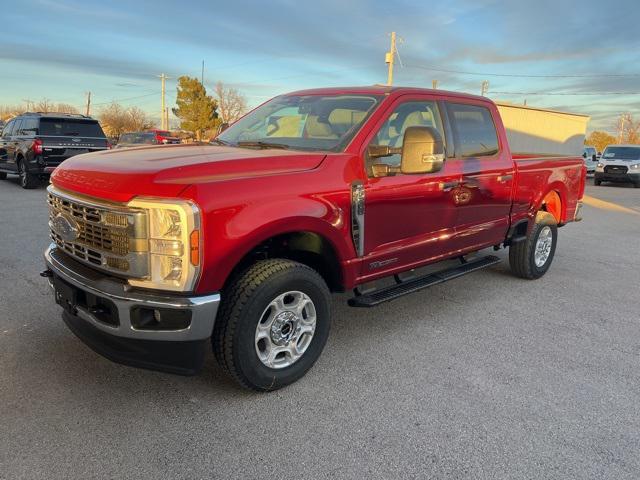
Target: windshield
303 122
622 153
69 128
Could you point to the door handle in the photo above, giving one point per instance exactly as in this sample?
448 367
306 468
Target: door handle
504 178
448 186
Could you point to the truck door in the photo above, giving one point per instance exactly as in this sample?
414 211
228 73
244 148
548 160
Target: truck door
483 199
5 145
408 219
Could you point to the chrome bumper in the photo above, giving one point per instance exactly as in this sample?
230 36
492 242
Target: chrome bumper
203 308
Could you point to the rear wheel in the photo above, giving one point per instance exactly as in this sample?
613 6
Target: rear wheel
27 180
273 324
532 257
3 175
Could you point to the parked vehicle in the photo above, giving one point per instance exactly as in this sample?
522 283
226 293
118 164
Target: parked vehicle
240 243
590 156
32 145
619 163
164 137
136 139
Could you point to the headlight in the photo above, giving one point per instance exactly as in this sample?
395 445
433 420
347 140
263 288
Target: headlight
600 165
635 166
174 244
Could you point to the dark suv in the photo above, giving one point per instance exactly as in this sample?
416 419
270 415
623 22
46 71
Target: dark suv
32 145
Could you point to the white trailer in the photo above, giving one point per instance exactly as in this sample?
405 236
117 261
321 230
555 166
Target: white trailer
538 131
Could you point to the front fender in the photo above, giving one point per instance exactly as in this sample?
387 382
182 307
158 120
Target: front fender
231 234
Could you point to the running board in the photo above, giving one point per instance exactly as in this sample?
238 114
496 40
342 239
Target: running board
410 286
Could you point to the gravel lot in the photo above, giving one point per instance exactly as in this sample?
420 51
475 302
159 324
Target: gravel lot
487 376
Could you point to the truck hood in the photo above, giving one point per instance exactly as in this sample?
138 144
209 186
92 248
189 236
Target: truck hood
165 171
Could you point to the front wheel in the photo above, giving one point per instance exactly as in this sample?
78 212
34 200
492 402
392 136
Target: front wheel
597 183
3 175
532 257
273 324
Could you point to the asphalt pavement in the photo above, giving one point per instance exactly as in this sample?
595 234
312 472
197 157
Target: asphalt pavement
487 376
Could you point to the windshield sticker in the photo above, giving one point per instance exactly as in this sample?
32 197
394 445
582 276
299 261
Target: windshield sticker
609 155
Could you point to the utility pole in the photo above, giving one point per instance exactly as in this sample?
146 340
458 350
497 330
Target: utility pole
88 112
434 84
485 88
202 76
163 78
389 58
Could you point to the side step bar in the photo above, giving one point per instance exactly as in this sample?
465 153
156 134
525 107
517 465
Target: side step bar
410 286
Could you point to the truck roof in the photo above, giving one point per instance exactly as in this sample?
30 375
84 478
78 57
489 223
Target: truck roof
384 90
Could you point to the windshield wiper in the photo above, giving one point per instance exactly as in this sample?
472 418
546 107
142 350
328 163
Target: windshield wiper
219 142
260 144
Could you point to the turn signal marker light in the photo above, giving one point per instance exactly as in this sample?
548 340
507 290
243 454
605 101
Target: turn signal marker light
194 247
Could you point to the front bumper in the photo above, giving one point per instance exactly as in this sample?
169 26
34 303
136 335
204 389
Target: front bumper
618 177
104 310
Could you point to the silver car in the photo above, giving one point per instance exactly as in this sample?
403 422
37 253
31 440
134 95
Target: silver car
619 163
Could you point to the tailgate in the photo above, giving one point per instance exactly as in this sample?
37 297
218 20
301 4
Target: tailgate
57 149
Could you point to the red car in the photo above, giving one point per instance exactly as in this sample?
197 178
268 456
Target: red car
157 252
164 137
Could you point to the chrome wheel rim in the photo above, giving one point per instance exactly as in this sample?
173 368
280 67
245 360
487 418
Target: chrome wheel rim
285 329
543 246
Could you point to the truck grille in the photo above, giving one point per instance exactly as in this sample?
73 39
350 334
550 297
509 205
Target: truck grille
615 169
103 236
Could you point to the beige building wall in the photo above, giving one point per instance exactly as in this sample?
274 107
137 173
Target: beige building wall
535 130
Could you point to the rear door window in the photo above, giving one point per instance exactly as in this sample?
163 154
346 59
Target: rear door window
474 130
8 128
62 127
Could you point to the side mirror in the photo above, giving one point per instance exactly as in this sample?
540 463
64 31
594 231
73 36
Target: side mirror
594 157
422 151
584 155
222 127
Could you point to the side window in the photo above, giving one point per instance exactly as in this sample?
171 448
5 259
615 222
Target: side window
29 127
474 129
7 128
16 127
409 114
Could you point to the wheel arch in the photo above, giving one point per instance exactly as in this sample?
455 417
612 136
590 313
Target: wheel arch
308 247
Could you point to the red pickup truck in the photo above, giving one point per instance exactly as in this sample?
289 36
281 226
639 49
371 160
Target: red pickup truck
158 251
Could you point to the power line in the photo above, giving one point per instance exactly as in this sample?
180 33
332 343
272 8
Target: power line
522 75
126 99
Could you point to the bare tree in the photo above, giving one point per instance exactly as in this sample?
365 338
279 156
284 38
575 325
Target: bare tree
116 120
47 106
10 111
231 103
628 129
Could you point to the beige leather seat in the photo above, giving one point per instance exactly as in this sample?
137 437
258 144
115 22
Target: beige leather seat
317 129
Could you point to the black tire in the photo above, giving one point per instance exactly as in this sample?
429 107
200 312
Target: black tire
597 183
3 175
243 305
27 180
636 185
522 254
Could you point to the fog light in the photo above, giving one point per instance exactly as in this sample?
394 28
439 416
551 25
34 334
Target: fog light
160 318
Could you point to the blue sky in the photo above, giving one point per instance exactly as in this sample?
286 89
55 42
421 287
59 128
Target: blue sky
59 49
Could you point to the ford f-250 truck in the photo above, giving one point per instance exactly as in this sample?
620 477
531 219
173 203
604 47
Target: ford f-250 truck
158 251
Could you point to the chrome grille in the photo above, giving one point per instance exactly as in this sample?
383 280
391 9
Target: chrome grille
108 237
